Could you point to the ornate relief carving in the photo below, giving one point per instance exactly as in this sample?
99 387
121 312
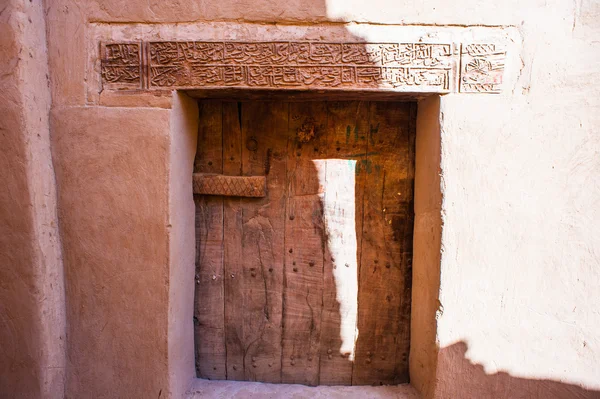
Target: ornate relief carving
229 186
121 65
419 67
298 64
482 67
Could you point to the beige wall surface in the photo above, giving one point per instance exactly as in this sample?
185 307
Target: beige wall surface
520 275
32 317
519 270
111 167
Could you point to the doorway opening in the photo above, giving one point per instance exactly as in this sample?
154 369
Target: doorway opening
307 279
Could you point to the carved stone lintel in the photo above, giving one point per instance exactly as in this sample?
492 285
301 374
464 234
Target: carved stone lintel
405 67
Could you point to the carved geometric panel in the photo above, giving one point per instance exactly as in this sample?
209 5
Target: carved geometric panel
482 67
404 67
229 186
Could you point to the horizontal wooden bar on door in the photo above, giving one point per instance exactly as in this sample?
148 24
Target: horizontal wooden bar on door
229 186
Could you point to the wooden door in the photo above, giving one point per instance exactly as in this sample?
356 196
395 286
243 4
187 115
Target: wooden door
309 283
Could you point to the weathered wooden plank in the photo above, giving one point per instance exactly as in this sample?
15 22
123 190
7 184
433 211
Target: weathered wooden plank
305 242
344 185
404 232
264 144
229 186
232 246
340 197
208 312
382 275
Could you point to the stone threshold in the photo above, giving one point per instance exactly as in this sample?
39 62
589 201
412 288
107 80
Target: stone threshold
256 390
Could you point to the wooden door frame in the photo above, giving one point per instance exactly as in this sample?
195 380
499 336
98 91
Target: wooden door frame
426 241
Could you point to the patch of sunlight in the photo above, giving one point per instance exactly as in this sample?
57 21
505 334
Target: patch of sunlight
337 178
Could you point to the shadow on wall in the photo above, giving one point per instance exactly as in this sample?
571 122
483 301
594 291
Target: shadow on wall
457 375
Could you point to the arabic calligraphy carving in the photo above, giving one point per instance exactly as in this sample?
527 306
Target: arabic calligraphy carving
301 65
121 65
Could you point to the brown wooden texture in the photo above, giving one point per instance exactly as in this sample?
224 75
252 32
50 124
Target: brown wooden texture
314 278
208 315
256 304
346 124
232 247
404 231
381 278
305 242
263 147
